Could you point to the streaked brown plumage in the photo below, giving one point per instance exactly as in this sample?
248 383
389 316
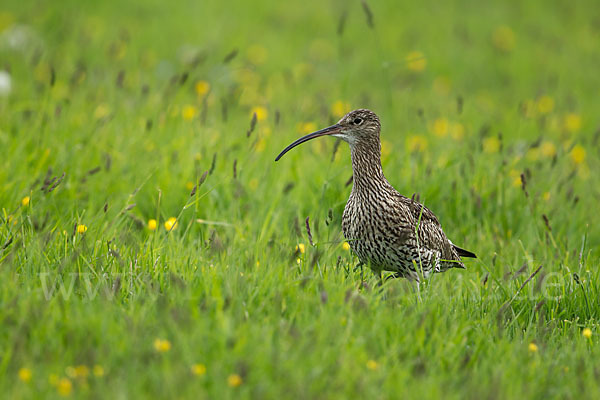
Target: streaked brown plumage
386 230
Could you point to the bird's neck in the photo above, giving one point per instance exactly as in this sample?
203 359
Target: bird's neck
366 166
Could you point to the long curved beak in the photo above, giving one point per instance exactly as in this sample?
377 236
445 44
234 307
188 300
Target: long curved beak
332 130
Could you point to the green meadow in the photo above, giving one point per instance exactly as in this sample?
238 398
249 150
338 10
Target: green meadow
151 247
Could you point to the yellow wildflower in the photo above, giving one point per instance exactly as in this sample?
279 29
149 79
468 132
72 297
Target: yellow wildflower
441 85
25 201
234 380
548 149
302 70
440 127
266 131
61 91
261 144
533 348
587 333
152 224
442 161
546 196
416 61
554 123
101 111
253 184
247 77
340 108
189 112
70 371
257 54
118 49
545 104
457 131
53 379
386 148
503 38
306 127
572 122
162 345
171 224
173 110
517 181
82 371
372 365
583 171
79 371
491 144
98 371
42 72
516 177
189 185
300 247
25 374
261 113
6 20
533 154
198 369
81 229
416 143
202 87
529 108
64 387
346 246
578 154
321 49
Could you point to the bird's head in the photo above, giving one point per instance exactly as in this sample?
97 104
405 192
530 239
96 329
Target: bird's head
358 126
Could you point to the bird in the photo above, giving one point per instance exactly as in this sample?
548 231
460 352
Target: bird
388 232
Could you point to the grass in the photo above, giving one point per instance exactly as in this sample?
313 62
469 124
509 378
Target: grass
489 113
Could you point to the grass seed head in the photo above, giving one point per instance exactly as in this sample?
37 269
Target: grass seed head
368 14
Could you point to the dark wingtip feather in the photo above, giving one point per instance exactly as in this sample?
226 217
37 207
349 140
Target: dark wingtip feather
464 253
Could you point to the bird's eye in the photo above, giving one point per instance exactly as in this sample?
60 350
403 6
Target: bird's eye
357 121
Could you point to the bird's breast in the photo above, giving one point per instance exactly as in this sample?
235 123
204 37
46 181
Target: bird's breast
364 226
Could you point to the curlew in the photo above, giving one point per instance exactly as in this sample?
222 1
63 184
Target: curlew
386 230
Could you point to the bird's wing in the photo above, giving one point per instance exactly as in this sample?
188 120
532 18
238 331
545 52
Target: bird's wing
430 233
422 213
433 237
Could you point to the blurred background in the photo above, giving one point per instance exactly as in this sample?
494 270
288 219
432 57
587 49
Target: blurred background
471 96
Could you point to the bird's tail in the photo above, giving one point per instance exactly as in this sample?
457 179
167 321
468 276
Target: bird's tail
463 252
